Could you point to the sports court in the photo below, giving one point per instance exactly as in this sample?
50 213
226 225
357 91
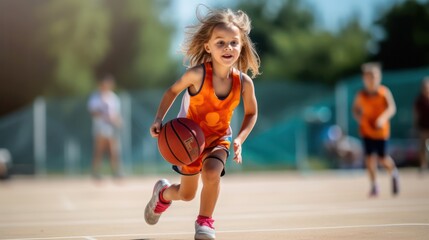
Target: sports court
269 205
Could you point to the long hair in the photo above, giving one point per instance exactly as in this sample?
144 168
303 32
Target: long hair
199 34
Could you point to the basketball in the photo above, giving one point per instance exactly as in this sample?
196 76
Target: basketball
181 141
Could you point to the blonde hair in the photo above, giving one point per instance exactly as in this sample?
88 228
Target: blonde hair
199 34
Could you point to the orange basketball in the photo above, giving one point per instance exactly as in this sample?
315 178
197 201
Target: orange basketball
181 141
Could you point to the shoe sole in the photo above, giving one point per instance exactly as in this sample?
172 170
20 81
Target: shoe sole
204 236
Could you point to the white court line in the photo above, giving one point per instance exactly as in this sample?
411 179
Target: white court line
268 214
234 231
89 238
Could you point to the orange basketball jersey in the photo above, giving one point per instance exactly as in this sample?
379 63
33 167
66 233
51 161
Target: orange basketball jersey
372 105
211 112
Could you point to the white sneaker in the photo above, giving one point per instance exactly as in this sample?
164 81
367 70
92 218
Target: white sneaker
204 229
155 207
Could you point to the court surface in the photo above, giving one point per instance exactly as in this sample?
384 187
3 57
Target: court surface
270 205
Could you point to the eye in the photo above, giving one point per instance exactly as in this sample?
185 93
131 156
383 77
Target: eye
220 43
234 43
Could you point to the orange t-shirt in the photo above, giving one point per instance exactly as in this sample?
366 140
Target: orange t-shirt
211 112
372 105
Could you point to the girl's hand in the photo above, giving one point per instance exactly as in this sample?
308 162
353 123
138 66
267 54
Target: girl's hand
155 128
237 151
380 122
116 121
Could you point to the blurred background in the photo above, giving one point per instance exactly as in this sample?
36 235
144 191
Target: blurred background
52 52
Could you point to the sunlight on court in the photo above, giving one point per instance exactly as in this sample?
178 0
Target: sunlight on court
282 205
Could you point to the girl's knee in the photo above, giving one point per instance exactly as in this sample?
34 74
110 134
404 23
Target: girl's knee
213 167
211 175
186 196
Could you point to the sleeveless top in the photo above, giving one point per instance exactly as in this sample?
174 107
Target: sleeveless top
372 105
213 113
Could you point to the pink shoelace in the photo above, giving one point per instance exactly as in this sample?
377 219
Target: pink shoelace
161 207
205 221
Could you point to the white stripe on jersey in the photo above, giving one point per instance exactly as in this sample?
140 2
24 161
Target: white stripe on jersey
184 107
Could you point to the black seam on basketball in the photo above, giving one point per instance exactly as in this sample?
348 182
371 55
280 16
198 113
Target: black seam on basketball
168 144
181 141
195 136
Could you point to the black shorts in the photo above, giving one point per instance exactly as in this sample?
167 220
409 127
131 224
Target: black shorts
375 146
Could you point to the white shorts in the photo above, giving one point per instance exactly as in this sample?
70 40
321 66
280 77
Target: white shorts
104 129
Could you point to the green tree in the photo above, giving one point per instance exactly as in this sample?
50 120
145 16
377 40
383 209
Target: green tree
86 39
406 40
139 55
293 48
75 37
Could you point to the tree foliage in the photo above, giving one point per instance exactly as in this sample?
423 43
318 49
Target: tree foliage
291 47
89 38
406 40
140 44
75 38
59 48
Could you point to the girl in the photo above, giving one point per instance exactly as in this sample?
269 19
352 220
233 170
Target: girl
105 109
220 54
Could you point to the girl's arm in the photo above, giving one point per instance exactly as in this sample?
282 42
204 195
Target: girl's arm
192 78
389 112
250 115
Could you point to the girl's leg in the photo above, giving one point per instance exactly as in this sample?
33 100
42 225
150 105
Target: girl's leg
99 148
164 193
114 156
212 168
184 191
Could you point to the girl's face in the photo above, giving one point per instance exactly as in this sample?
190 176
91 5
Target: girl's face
372 80
107 85
225 44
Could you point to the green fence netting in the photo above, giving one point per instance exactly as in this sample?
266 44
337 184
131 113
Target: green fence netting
54 134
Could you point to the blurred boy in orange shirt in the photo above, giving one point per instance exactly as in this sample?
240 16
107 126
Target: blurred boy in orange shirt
372 108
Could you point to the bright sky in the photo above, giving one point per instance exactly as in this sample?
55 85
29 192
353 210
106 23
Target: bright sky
331 13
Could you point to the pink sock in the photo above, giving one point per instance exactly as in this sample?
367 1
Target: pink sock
201 217
161 198
205 221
